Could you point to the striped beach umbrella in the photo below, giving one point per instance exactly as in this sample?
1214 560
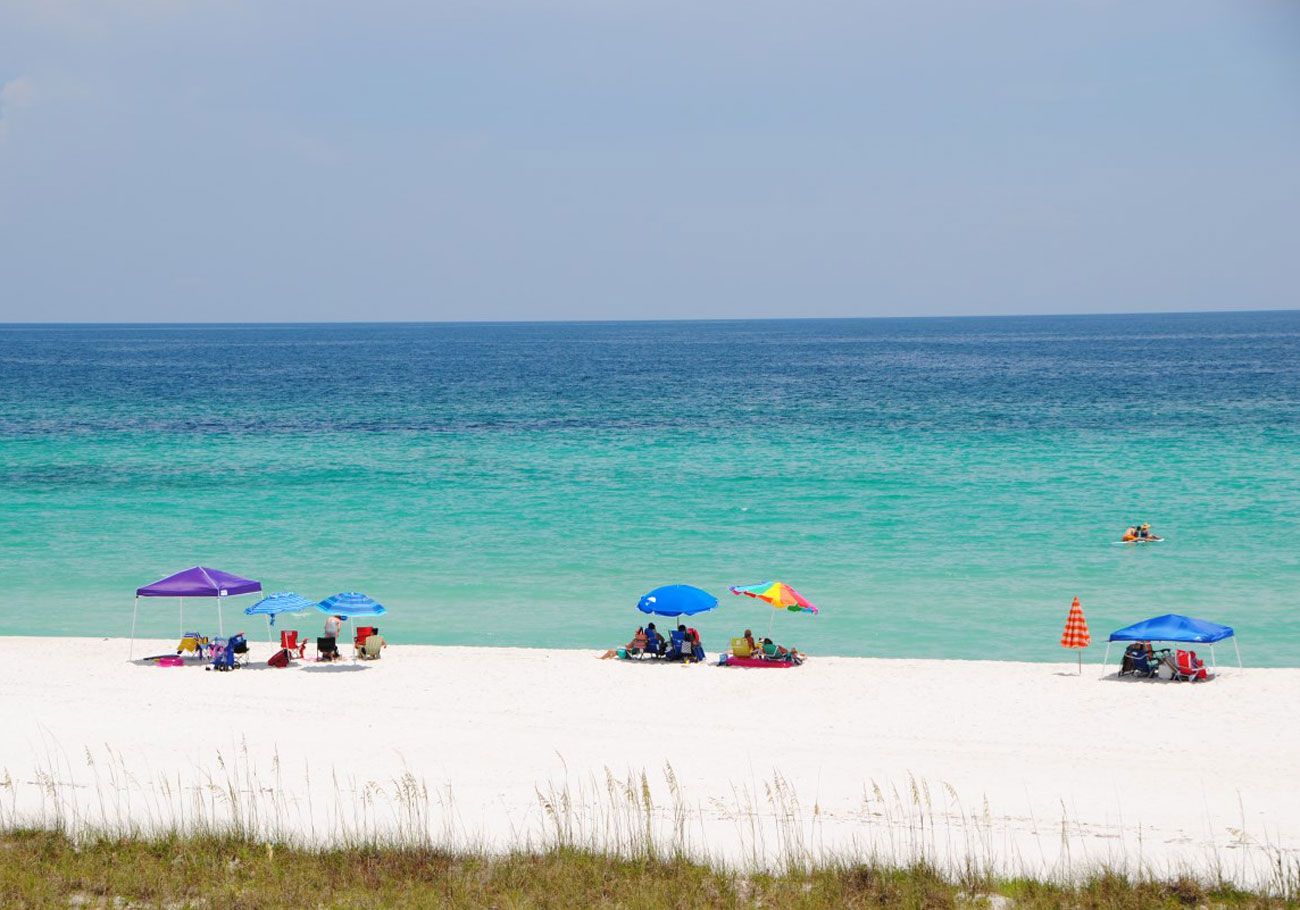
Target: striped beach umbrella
1076 633
349 604
275 604
779 594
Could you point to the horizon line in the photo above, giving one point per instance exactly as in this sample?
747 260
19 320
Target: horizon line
646 321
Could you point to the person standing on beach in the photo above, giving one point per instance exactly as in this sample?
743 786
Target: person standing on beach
333 626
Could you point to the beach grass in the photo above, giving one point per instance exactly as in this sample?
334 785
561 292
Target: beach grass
41 868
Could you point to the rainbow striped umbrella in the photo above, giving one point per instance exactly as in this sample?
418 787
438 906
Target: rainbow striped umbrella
779 594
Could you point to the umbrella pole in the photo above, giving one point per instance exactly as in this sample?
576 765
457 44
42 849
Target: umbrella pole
1081 661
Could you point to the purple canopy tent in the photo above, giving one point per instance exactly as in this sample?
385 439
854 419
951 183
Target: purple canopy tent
199 581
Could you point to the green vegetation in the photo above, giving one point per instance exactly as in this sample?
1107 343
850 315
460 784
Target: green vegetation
40 869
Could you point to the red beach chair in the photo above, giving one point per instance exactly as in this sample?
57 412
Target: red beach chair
289 642
1188 667
359 642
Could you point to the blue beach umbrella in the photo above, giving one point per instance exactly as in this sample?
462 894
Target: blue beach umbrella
282 602
273 605
677 600
349 604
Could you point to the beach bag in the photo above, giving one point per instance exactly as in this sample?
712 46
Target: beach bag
279 659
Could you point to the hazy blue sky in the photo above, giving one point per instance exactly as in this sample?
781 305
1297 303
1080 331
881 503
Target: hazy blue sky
614 159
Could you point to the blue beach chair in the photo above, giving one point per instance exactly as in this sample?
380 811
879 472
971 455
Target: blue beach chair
680 648
654 643
227 652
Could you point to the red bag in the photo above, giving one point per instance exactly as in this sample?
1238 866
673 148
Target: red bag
279 659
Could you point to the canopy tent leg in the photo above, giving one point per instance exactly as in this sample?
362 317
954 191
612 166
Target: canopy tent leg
1238 647
221 627
134 610
1105 661
182 603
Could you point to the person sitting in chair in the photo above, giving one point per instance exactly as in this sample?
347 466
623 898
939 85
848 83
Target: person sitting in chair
696 646
773 651
654 643
637 645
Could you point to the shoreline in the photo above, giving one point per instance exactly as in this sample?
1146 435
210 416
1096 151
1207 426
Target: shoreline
1027 767
263 648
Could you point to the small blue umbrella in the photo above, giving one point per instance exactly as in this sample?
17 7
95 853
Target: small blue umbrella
349 603
283 602
677 600
273 605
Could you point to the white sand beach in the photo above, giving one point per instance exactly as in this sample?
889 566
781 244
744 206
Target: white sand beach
1022 766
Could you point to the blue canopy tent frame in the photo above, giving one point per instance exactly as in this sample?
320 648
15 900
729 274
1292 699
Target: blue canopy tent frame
1174 627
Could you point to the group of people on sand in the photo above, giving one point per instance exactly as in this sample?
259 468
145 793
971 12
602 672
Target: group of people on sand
648 641
684 644
770 650
1139 532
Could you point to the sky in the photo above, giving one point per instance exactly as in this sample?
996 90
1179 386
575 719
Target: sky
585 159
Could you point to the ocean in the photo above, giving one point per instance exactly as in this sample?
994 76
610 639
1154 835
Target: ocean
938 487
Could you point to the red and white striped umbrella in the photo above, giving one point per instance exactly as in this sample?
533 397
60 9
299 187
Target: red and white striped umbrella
1076 633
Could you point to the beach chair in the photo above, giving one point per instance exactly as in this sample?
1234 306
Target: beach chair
223 657
359 640
238 648
740 648
1139 662
1187 667
654 644
228 653
289 642
193 643
695 645
327 648
680 648
371 648
675 641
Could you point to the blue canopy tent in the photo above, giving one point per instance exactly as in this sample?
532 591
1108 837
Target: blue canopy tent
1174 627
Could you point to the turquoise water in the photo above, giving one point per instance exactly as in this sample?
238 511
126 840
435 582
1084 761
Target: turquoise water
939 487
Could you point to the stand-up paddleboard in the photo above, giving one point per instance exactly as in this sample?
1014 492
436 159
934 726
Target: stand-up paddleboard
1141 540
